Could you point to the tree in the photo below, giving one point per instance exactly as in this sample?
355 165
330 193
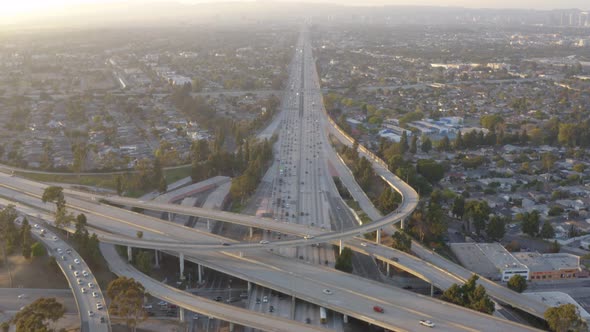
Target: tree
37 250
565 318
477 212
55 195
517 283
531 222
458 206
35 316
430 169
548 160
139 234
426 145
496 228
143 260
414 144
547 231
126 296
344 260
555 247
444 144
119 184
469 295
403 142
401 241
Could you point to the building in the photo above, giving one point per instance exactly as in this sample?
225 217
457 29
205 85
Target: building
490 260
550 266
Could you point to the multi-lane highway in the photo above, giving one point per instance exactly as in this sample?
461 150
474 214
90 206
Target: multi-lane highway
348 294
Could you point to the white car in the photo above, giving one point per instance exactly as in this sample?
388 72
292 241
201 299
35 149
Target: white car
94 294
60 250
264 242
308 236
426 323
265 299
83 290
99 306
77 261
85 273
22 296
364 244
36 226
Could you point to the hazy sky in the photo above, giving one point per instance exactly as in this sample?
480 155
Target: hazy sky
11 8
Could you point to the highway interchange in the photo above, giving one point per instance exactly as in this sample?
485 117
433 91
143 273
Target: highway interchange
350 295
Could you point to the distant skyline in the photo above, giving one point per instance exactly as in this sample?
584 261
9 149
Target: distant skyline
15 8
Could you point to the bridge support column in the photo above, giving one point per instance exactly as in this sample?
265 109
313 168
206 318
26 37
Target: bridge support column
157 256
181 314
341 247
378 236
241 254
402 223
231 327
293 302
345 318
251 232
181 259
388 267
431 290
208 224
170 216
200 273
129 254
249 287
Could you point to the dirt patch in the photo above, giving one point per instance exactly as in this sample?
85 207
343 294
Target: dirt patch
33 273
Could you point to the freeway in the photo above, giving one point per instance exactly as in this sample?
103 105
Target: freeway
84 287
202 305
291 276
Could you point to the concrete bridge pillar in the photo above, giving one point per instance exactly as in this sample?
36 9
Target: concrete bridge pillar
129 254
181 314
170 216
341 247
345 318
200 273
388 267
249 287
231 327
378 236
181 259
431 290
402 223
157 256
208 224
251 232
293 302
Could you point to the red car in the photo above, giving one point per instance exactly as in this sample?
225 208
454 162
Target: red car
378 309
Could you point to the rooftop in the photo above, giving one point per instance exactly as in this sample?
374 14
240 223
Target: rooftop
548 262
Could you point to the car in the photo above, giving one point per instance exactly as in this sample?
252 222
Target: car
148 306
265 299
308 236
22 296
364 244
271 309
264 242
83 290
76 273
328 291
225 244
68 251
77 261
63 258
54 238
257 301
79 281
162 303
378 309
94 294
99 306
36 226
90 313
85 273
407 287
195 316
72 267
90 285
218 299
395 259
307 320
426 323
102 320
60 250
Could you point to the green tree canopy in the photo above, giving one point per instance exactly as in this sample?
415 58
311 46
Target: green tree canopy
565 318
126 296
517 283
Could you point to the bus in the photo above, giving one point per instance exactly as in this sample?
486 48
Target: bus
323 317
